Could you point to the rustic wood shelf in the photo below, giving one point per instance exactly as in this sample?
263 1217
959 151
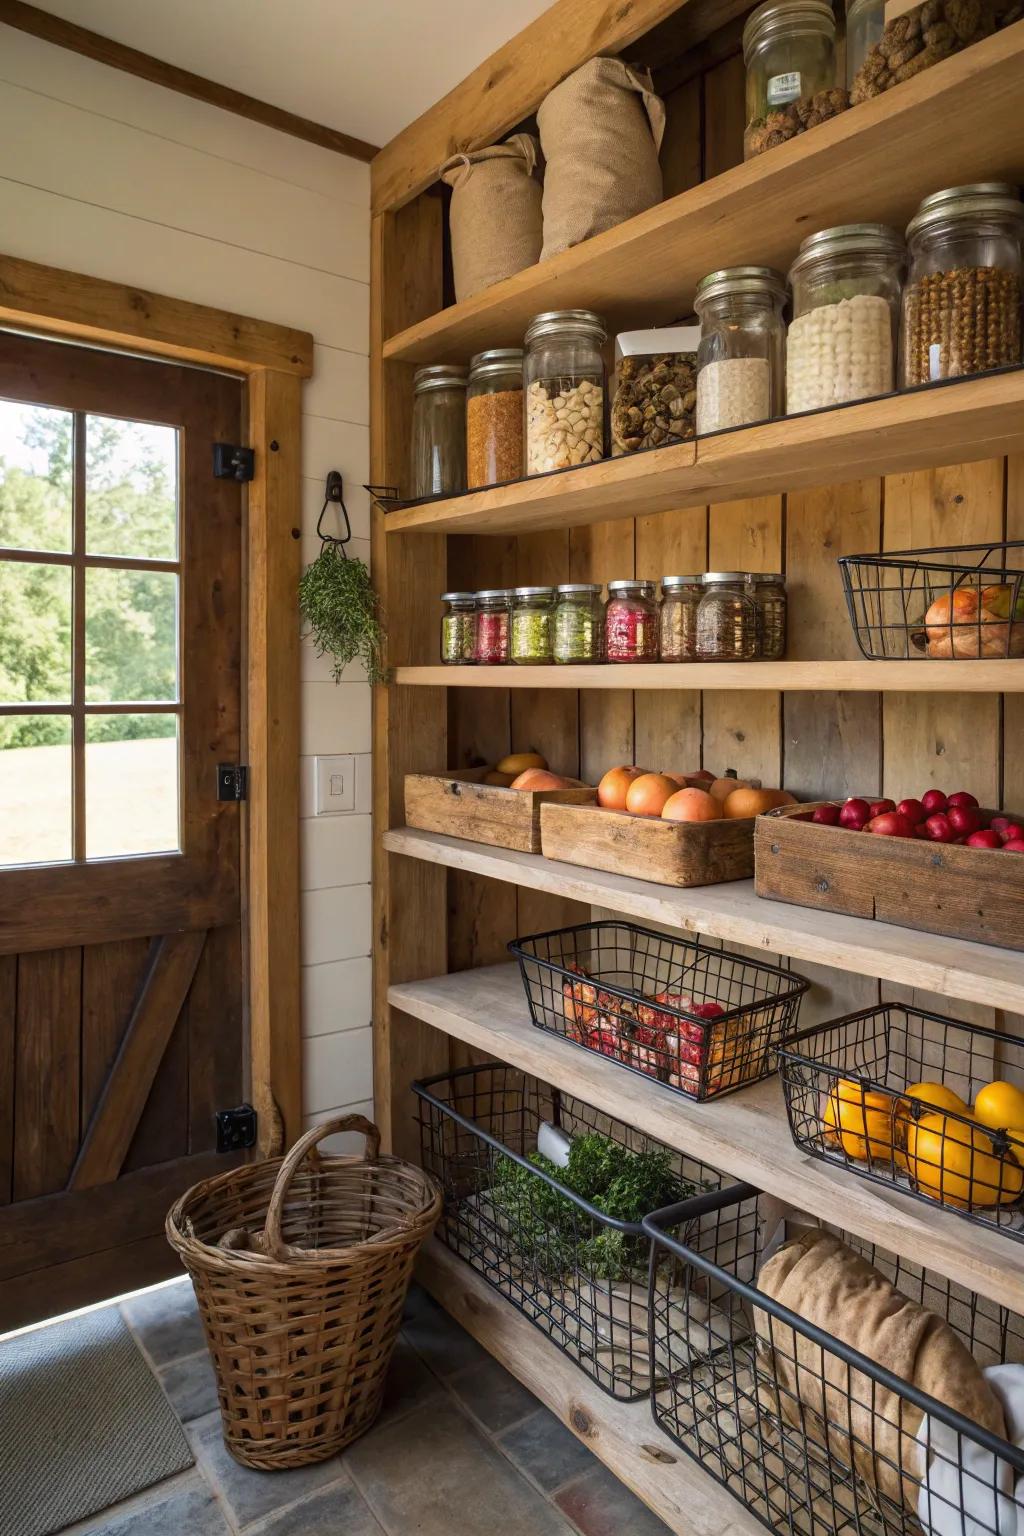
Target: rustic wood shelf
744 1134
956 968
774 676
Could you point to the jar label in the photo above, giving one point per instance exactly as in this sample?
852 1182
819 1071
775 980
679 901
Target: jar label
783 88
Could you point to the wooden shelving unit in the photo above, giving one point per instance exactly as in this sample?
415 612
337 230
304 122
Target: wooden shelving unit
778 676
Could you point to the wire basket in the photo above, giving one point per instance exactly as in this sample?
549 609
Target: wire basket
845 1085
689 1013
813 1437
579 1276
955 604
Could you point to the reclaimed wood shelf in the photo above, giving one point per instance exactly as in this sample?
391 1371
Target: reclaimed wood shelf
744 1134
775 676
956 968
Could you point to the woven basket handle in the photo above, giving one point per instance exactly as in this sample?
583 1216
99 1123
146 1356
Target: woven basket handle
273 1244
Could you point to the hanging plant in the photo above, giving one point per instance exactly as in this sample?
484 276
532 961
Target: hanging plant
338 602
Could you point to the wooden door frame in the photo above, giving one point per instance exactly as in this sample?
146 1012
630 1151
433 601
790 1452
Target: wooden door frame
272 361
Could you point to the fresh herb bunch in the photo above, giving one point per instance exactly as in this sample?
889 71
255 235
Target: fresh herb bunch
337 600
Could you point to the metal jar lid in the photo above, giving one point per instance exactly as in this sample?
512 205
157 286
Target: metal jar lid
458 597
533 591
439 376
496 360
770 578
740 281
714 577
778 17
626 588
668 582
579 588
494 592
979 200
563 322
849 240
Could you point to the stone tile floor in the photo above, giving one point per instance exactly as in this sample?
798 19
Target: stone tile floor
460 1449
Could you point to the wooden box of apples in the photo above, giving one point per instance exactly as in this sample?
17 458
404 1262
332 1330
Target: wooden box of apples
941 864
499 805
677 829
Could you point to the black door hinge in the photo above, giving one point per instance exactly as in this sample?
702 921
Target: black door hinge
231 462
236 1128
232 781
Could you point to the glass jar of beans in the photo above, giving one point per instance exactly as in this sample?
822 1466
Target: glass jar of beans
841 343
494 417
564 379
532 627
631 622
492 626
741 358
961 304
458 628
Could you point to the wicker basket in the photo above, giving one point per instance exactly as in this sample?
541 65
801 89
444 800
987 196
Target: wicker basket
301 1267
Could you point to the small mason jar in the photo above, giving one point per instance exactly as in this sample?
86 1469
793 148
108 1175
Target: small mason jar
770 596
677 619
458 628
492 626
579 623
439 431
961 303
789 50
727 624
741 358
563 378
841 342
865 23
532 626
631 622
494 417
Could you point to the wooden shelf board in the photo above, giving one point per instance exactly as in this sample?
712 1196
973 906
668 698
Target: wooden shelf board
765 676
875 161
744 1135
953 968
622 1435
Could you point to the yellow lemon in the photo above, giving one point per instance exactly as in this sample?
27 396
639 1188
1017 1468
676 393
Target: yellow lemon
954 1163
860 1120
1001 1106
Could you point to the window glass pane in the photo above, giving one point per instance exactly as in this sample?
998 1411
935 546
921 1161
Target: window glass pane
36 446
35 633
35 789
131 637
131 489
131 785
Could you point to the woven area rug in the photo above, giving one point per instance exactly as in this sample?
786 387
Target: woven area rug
83 1423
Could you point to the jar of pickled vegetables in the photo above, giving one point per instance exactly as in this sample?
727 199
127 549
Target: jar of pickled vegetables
770 597
727 625
677 620
579 623
458 628
631 622
492 626
532 628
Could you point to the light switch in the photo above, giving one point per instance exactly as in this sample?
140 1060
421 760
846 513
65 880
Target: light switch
335 785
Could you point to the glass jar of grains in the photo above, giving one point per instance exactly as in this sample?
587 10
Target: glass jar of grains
770 597
741 358
727 624
563 375
631 622
841 342
439 431
492 626
458 628
961 304
494 417
677 619
789 49
579 623
532 628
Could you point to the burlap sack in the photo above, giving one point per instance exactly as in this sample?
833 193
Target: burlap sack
495 212
600 130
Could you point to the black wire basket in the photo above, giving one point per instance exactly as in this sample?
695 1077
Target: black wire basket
813 1437
687 1012
578 1275
846 1083
959 603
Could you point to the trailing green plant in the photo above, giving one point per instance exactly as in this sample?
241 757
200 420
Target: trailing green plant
338 602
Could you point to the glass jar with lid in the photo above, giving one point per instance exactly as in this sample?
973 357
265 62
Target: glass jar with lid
770 597
727 622
961 303
677 618
494 417
458 628
532 626
789 49
439 431
842 339
741 357
865 23
631 622
564 381
579 623
493 607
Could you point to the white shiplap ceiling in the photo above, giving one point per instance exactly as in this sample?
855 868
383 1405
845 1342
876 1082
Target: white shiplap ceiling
366 67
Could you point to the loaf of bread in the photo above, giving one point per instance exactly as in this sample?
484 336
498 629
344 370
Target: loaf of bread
865 1425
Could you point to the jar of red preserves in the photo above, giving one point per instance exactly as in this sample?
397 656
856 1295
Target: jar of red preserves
631 622
492 626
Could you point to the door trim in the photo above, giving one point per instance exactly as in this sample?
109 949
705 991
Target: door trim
273 361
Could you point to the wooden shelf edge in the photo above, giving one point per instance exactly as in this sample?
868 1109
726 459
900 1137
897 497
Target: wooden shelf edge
762 676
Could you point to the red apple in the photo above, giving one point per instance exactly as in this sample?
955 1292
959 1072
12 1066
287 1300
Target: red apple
933 800
854 814
999 822
890 824
879 807
961 798
921 830
1014 845
984 839
826 815
708 1010
913 810
939 829
1010 831
964 820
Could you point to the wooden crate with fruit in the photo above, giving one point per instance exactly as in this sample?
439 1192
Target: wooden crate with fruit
499 805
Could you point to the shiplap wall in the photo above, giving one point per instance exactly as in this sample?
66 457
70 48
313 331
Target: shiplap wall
108 175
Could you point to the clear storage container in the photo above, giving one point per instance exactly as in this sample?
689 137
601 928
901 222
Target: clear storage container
492 626
631 622
961 303
439 431
564 379
532 628
770 597
655 388
458 628
579 623
677 618
903 40
727 620
789 49
494 417
865 22
741 359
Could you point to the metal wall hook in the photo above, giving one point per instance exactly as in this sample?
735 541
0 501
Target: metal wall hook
334 496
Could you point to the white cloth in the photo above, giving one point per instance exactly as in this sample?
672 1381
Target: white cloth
965 1490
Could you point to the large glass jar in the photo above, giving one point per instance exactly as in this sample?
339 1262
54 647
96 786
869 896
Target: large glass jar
579 623
631 622
458 628
789 49
532 629
494 417
770 596
841 342
961 303
439 431
563 375
677 619
655 388
492 626
741 358
727 624
865 22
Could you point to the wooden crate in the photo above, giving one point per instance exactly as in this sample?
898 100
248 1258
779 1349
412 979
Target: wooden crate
459 804
667 852
966 893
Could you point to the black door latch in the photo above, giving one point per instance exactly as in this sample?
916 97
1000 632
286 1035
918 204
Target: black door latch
231 462
232 781
236 1128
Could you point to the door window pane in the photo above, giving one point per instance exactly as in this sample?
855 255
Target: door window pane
131 489
36 447
35 633
131 637
35 789
131 785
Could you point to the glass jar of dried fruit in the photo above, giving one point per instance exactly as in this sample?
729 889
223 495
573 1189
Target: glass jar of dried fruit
789 49
631 622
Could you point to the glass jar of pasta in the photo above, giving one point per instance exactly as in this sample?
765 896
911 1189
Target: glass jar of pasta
563 376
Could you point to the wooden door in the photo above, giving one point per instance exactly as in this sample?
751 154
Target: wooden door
121 976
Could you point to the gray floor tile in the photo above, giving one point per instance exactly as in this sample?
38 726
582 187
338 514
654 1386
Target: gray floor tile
337 1511
167 1322
544 1448
194 1512
252 1495
602 1506
493 1395
409 1383
191 1386
438 1339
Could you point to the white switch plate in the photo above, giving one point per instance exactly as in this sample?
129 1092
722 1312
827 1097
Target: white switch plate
335 785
